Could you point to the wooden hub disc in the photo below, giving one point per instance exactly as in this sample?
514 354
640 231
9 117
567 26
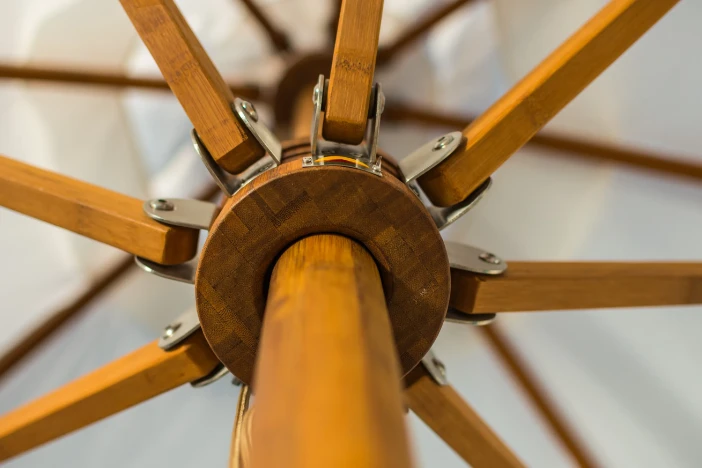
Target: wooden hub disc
290 202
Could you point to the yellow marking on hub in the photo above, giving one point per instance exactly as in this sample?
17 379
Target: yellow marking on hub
343 158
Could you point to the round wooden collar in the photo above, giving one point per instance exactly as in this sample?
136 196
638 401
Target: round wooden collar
290 202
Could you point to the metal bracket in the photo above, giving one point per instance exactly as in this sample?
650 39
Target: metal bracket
229 183
435 367
425 158
249 117
179 329
469 258
455 316
187 213
216 374
183 272
183 212
364 156
176 332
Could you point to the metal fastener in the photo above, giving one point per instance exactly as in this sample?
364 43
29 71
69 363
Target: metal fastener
171 329
316 95
250 110
492 259
440 366
443 142
161 205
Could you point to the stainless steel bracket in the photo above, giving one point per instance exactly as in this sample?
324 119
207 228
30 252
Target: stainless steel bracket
179 329
479 320
435 367
183 212
474 260
188 213
428 156
229 183
176 332
330 153
469 258
217 373
183 272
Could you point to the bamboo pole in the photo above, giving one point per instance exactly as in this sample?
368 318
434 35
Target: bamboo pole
327 381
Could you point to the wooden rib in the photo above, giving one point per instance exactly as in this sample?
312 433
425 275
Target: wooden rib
402 112
533 286
195 81
621 155
134 378
327 379
570 146
100 214
530 104
417 30
538 396
84 77
45 330
279 39
453 419
352 71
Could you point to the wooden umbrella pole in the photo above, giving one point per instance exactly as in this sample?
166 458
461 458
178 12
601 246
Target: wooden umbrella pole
327 379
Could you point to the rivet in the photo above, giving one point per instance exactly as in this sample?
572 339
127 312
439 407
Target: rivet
250 110
170 330
443 142
492 259
161 205
440 366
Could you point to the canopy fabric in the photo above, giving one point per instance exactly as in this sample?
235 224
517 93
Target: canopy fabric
628 380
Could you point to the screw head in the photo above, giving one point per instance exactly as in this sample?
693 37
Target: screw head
161 205
316 95
443 142
492 259
170 330
307 160
440 366
250 110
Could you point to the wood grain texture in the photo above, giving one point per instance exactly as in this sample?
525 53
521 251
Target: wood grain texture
44 331
352 71
568 146
195 81
509 123
100 214
135 378
416 31
104 79
452 418
532 286
278 38
537 395
290 202
327 383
